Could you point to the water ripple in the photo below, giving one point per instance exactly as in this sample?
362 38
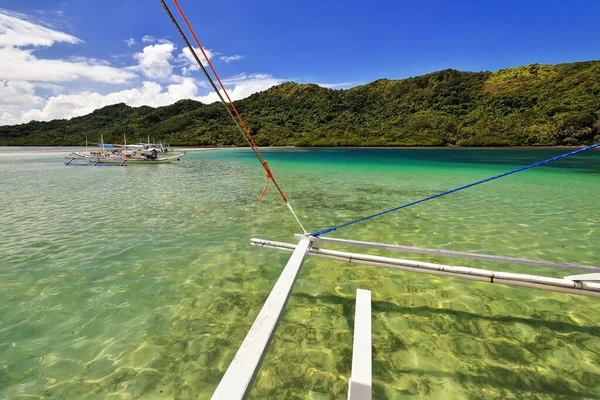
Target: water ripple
139 282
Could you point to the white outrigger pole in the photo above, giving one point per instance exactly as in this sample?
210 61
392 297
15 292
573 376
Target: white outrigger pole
238 379
360 385
574 284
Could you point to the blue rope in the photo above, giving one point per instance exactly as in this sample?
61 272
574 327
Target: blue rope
514 171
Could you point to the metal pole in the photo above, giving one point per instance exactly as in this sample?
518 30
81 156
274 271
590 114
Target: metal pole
359 387
457 254
538 282
237 381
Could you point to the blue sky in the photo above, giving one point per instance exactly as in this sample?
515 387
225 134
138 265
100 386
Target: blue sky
333 43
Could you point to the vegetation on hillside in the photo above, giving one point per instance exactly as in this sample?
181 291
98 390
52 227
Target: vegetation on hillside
531 105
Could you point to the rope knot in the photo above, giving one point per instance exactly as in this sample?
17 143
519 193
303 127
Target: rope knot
267 169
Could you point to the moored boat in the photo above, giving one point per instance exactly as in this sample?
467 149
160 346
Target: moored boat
143 153
122 158
150 157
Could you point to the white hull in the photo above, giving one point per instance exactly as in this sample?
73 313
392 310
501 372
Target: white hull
131 160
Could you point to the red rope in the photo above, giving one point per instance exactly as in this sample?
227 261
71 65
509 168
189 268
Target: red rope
245 128
264 190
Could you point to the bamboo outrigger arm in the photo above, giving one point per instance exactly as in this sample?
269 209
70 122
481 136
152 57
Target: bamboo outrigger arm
237 381
239 377
461 254
533 281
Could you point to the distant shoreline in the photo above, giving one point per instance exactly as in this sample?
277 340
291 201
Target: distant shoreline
204 148
194 148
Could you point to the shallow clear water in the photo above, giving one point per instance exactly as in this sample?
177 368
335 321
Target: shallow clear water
140 282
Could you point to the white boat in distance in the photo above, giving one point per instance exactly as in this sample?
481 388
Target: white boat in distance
136 158
143 153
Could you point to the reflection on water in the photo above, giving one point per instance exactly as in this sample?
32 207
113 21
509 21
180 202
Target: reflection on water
139 282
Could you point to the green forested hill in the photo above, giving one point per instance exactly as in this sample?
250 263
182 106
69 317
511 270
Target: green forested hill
529 105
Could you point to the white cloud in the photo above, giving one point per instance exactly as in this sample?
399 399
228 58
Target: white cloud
229 59
27 106
51 86
16 96
242 86
342 85
89 61
16 31
21 64
26 80
243 77
73 105
56 89
188 63
148 39
154 61
151 39
119 57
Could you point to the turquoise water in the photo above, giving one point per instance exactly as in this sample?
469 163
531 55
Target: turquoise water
139 282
